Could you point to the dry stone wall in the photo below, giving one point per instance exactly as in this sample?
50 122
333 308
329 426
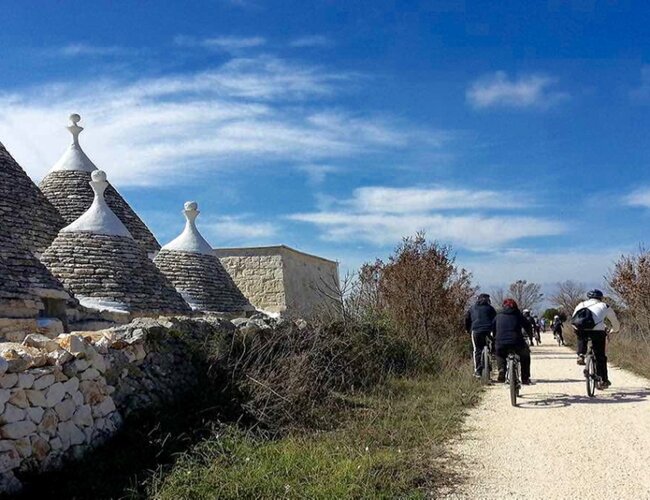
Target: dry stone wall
61 397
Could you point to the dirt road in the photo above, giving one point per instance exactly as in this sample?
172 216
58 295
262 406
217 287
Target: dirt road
558 443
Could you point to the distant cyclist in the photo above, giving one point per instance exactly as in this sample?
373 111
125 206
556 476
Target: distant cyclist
531 321
600 313
557 328
478 323
509 327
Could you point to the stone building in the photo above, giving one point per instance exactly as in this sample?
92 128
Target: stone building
98 260
67 187
190 264
24 210
279 279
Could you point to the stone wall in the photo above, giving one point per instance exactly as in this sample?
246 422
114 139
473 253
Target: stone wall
60 397
280 279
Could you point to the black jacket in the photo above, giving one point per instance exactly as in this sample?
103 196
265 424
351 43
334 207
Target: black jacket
479 317
508 326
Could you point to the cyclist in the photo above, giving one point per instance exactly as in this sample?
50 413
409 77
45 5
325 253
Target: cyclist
508 328
531 321
537 327
478 323
557 328
601 312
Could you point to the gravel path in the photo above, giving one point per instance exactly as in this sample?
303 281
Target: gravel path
558 443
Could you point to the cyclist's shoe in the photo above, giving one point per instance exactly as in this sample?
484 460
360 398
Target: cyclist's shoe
605 384
527 382
581 360
477 374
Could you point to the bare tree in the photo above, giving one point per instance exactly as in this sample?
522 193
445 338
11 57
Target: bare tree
568 295
527 295
497 296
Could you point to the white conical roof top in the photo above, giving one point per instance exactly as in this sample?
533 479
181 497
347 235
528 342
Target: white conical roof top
74 157
99 218
190 240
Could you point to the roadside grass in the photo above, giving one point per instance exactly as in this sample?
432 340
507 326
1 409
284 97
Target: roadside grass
390 445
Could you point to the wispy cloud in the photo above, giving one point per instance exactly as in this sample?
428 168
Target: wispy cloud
223 43
84 49
245 112
317 173
638 198
311 41
240 230
498 90
382 216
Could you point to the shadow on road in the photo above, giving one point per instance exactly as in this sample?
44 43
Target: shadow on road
558 400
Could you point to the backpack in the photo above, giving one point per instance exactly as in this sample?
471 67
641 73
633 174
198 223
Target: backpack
583 319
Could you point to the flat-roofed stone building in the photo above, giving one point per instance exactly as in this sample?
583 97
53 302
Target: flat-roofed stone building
279 279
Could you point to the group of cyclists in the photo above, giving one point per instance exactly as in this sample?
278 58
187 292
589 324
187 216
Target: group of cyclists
511 330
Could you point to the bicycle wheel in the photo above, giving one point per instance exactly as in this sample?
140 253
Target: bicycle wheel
590 374
559 341
512 379
485 361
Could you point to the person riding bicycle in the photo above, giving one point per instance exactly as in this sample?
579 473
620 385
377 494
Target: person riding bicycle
508 328
600 313
557 328
478 323
531 322
537 327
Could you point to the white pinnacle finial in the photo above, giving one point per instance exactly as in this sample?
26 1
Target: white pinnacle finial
99 218
75 129
190 240
74 158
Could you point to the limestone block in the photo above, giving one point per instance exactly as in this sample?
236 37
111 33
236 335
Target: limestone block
17 430
9 460
90 374
5 394
44 382
40 447
3 366
49 423
104 408
65 409
25 380
19 398
12 414
55 443
69 432
35 414
54 394
41 342
24 446
36 397
78 398
83 416
71 385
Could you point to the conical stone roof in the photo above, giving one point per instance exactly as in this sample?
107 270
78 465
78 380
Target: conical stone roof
25 211
23 279
190 264
98 260
67 187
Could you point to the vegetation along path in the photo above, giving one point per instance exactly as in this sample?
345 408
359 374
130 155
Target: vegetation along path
558 443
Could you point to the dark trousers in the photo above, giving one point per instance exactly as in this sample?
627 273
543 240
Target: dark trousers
599 341
524 355
479 341
558 333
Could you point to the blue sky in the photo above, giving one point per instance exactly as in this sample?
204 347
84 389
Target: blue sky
515 131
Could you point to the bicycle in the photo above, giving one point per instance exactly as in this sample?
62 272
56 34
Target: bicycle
593 380
513 376
558 339
486 360
538 337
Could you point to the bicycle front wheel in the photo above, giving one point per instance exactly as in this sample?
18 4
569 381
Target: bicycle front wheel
590 374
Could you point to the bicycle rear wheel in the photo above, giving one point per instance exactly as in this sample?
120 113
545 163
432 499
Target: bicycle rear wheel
512 379
590 374
485 360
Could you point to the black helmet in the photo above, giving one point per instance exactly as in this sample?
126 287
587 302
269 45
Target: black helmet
595 294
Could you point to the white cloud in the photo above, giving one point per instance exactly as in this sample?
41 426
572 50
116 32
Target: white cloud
316 174
311 41
498 89
224 43
84 49
638 198
500 268
469 231
240 231
246 112
412 200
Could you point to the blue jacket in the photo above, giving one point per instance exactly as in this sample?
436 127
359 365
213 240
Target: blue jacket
508 328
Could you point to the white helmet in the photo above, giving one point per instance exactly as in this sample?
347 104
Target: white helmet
526 311
556 317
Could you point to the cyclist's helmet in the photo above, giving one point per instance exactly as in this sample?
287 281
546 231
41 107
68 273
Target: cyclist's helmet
484 297
526 311
556 317
595 294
